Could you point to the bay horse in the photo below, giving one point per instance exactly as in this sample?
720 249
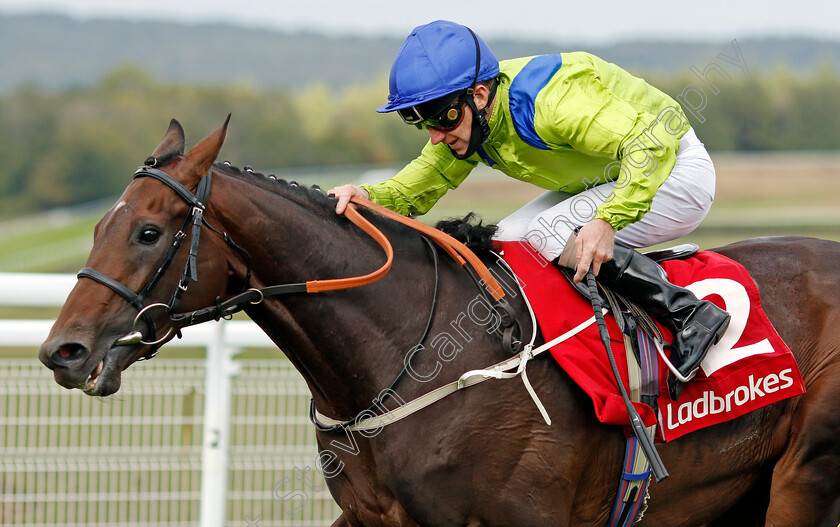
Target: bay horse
484 456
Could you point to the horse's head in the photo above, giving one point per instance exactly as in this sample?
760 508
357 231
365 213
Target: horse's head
118 312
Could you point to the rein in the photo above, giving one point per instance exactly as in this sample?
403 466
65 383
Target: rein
255 296
459 252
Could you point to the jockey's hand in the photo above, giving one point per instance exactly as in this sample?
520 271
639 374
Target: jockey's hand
593 246
344 193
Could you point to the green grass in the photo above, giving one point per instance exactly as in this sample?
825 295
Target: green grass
47 248
39 236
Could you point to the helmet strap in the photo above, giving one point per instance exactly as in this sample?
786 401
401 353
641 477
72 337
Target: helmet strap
480 126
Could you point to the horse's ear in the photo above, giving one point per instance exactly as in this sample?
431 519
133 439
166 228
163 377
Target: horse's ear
171 146
202 155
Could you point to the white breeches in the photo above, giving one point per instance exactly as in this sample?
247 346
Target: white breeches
677 208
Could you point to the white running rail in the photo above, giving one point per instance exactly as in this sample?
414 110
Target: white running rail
222 341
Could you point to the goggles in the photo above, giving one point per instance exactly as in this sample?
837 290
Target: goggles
442 114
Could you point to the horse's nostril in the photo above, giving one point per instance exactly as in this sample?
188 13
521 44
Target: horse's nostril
71 352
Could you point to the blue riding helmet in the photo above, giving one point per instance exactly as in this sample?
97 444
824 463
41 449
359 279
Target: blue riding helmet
437 59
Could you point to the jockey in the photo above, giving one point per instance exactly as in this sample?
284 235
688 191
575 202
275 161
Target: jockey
617 157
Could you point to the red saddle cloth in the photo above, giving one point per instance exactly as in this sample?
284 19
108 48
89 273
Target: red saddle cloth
749 368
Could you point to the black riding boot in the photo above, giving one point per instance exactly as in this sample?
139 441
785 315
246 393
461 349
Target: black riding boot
696 324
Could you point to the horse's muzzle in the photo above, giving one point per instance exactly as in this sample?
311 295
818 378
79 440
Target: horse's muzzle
74 367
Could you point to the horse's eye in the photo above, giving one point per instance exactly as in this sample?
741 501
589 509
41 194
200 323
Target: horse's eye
149 235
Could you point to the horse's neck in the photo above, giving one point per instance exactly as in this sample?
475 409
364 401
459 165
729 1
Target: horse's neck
347 344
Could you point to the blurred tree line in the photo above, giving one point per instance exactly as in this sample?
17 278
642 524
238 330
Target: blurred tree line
778 111
58 148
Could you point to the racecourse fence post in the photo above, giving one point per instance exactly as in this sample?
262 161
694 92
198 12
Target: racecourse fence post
216 437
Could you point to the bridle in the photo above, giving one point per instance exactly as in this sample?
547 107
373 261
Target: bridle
198 203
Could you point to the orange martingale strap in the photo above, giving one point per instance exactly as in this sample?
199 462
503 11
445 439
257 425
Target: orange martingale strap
456 249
